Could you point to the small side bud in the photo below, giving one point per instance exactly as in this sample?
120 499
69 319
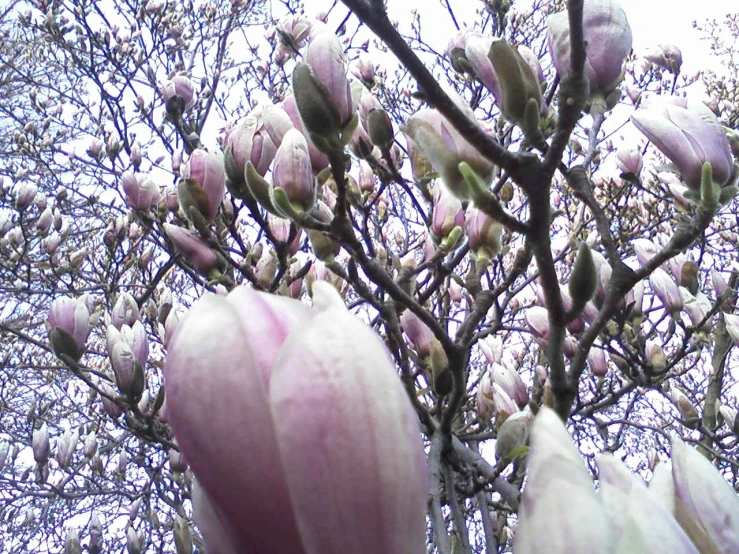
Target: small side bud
584 278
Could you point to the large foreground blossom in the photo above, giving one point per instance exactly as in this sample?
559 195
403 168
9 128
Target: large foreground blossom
692 510
296 426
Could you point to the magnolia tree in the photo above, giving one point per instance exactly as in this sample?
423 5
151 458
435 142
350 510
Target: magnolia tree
299 282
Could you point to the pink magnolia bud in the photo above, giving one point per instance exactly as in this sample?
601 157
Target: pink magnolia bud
666 56
95 148
110 407
136 155
510 381
732 326
292 171
295 30
249 142
68 325
636 514
689 134
266 377
697 307
125 311
318 160
366 177
629 159
644 249
538 321
142 193
24 195
718 283
445 148
364 68
206 169
325 56
597 361
608 36
43 224
40 444
280 228
476 51
179 86
446 215
417 332
483 233
665 288
195 252
96 532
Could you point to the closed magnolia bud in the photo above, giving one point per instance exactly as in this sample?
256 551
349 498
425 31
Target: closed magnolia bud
665 288
192 248
68 325
182 536
584 278
441 377
133 541
513 434
204 184
91 444
656 356
688 413
380 129
40 444
483 233
520 91
96 535
287 432
597 362
538 320
668 123
608 35
72 543
125 311
292 172
177 461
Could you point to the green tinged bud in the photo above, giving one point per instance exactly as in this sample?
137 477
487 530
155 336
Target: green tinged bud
63 343
380 128
709 189
440 374
191 195
519 85
260 189
584 278
689 277
317 110
182 536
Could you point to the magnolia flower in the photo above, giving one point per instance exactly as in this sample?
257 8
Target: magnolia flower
418 333
179 86
732 326
249 142
310 398
629 159
292 171
445 147
195 252
40 444
538 321
142 193
608 37
318 160
447 214
689 134
483 233
666 56
321 87
204 183
68 325
125 311
666 289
